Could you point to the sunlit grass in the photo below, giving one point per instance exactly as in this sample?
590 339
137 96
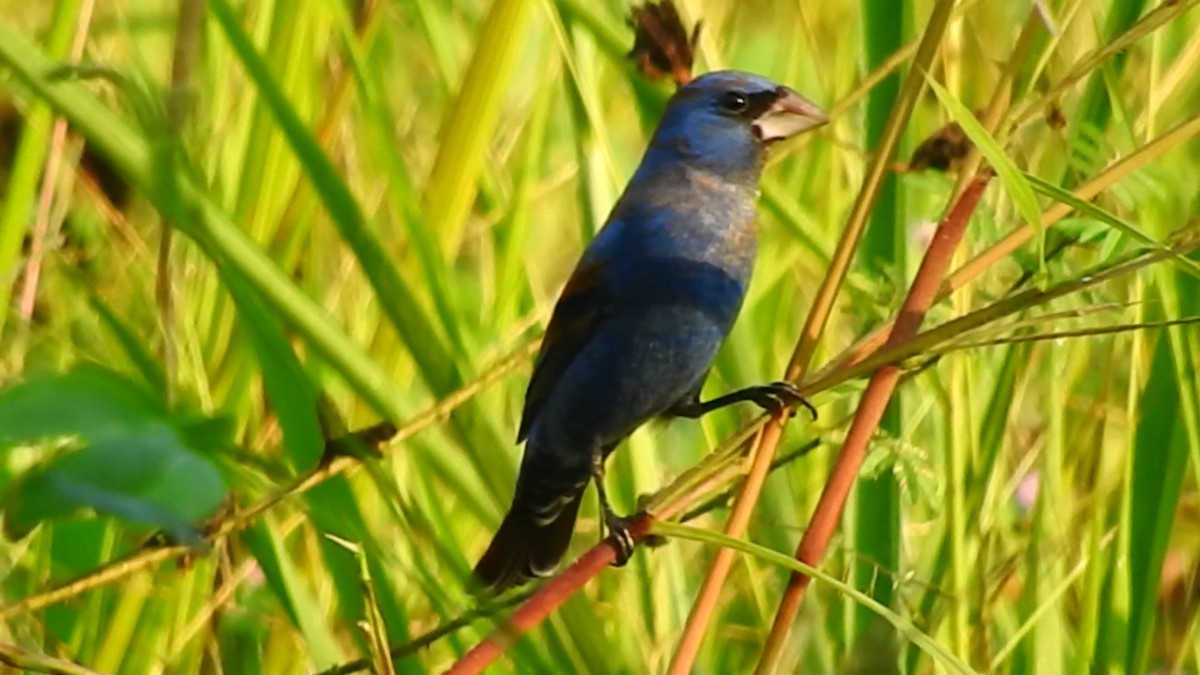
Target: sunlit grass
377 202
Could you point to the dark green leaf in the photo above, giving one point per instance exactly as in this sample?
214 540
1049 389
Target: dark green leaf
128 457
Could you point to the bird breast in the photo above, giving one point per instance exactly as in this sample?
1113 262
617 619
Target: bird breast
715 221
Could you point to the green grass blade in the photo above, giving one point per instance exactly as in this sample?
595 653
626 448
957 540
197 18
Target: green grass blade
471 122
902 624
1165 437
19 196
287 582
1013 178
1091 210
884 248
395 297
199 217
290 393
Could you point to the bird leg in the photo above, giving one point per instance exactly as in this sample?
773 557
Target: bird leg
774 398
616 525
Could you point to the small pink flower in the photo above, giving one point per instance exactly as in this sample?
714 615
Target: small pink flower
1026 493
922 233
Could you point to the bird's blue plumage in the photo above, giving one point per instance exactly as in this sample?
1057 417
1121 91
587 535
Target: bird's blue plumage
645 311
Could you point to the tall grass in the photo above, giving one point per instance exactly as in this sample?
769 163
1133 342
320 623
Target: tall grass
375 205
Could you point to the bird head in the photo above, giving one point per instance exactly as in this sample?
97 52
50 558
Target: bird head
724 121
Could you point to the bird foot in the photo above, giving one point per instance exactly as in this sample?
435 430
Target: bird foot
622 540
778 396
617 526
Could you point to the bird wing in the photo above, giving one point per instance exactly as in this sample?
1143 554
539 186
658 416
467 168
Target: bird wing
583 305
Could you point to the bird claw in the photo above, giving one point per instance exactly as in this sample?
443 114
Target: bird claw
779 396
621 538
617 526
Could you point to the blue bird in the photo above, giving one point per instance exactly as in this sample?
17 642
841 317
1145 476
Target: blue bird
640 320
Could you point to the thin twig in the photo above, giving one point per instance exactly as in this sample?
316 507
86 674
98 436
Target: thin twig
764 452
547 599
424 640
188 28
664 505
43 231
26 661
921 296
697 484
1064 334
870 343
1091 62
234 522
931 339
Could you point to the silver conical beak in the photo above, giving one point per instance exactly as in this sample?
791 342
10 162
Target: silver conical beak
789 115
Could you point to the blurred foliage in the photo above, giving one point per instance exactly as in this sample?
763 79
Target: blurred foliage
379 201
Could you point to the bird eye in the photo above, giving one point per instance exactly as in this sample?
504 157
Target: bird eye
735 102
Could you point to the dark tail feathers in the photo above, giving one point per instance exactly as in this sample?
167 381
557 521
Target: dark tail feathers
522 549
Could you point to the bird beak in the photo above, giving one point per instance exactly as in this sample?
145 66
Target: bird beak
789 115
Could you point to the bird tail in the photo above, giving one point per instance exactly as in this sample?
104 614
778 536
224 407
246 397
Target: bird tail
526 547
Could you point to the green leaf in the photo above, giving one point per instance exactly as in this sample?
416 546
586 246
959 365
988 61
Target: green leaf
470 124
23 176
902 624
1013 178
877 524
88 401
1164 435
290 392
212 228
396 298
286 580
131 460
1090 210
134 347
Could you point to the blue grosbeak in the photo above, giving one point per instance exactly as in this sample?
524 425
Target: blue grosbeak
637 326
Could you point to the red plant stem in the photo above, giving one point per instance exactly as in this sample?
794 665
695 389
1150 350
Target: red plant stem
546 600
921 296
739 520
1114 173
42 229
